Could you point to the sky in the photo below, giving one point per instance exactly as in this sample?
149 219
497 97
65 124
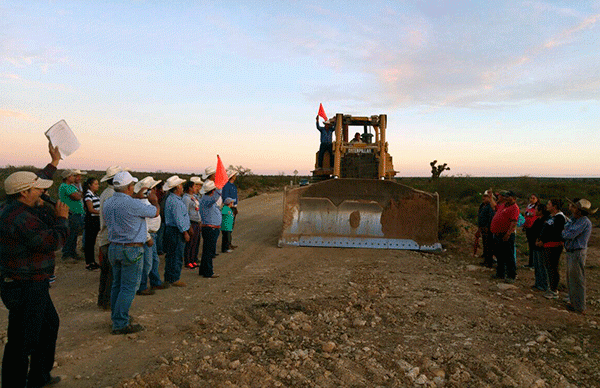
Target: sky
503 88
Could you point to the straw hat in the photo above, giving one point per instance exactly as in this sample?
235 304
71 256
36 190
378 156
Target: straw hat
111 172
231 173
196 179
584 205
173 181
24 180
146 183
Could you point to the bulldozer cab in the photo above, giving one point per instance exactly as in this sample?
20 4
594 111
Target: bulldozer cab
364 156
354 202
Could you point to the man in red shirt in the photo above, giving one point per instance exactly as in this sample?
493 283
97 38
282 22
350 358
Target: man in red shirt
503 227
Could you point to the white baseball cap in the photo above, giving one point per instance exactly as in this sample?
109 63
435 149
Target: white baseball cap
123 178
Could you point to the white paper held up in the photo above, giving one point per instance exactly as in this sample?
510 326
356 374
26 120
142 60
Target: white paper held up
61 136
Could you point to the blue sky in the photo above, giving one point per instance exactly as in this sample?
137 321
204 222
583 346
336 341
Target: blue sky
492 88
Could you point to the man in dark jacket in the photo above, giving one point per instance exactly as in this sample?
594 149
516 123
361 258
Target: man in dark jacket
29 235
484 220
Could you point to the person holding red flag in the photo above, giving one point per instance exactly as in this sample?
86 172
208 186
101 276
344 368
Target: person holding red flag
322 112
326 138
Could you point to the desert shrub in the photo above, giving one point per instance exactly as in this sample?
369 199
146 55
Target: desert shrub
448 221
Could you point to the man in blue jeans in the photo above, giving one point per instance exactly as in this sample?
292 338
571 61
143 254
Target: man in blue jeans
141 191
125 219
326 142
211 224
177 231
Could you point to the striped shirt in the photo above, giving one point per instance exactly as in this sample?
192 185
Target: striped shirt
90 196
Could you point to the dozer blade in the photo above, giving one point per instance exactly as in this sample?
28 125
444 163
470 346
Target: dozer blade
360 213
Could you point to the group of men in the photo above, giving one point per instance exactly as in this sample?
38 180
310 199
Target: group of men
31 232
497 225
131 213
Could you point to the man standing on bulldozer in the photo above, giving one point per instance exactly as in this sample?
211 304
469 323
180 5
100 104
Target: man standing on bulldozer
326 142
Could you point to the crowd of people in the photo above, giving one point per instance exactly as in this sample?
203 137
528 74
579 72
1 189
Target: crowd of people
131 222
548 231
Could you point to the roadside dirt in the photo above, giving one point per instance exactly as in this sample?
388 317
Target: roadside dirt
315 317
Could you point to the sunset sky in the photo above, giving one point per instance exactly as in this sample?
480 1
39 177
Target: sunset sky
505 88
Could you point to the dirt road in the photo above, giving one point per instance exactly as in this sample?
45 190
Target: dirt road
310 317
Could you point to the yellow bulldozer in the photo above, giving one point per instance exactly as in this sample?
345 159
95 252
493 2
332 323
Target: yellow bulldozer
355 203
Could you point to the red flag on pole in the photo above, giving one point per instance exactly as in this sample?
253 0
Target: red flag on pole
322 112
221 175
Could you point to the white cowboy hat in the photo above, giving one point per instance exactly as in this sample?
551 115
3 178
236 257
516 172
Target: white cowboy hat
208 186
231 173
173 181
111 172
196 179
146 183
208 171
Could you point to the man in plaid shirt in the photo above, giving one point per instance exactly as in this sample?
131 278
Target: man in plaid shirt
29 235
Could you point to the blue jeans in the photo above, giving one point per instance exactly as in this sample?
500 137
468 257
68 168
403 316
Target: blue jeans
325 147
576 278
159 239
541 275
75 227
174 246
209 250
151 263
127 270
32 331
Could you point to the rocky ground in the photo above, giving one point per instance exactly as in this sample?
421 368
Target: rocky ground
315 317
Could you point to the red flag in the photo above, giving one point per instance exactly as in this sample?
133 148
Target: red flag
221 175
322 112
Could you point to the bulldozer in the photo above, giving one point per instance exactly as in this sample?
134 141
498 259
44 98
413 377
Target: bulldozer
356 203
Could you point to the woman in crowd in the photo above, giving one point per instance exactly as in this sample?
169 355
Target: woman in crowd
541 275
552 242
530 216
192 205
91 221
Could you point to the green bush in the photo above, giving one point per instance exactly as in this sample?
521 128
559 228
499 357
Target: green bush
448 221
